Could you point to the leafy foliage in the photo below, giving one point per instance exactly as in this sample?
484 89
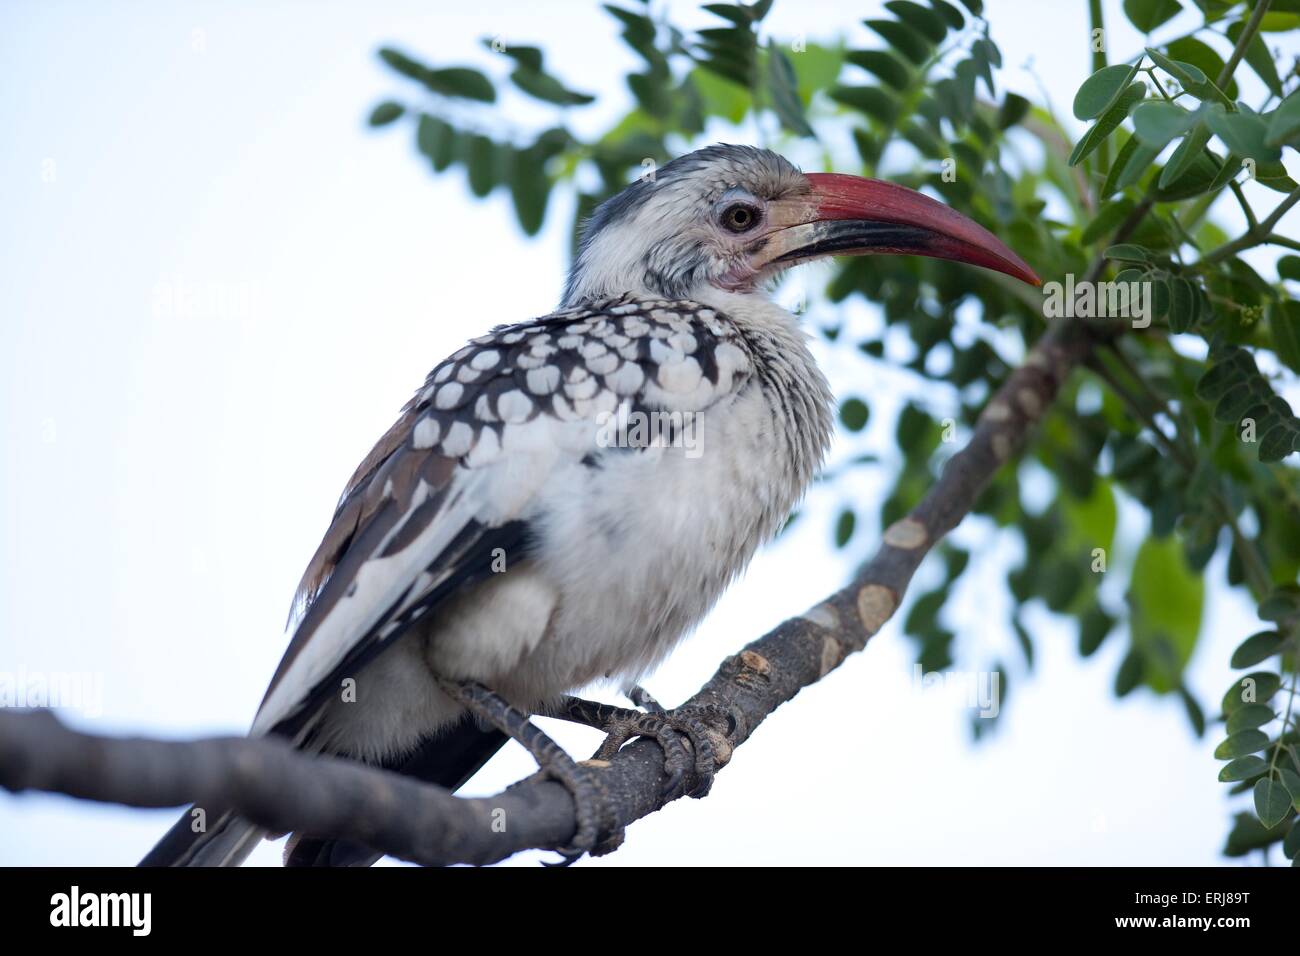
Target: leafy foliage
1184 419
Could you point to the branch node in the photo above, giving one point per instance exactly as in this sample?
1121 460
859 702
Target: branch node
876 605
907 534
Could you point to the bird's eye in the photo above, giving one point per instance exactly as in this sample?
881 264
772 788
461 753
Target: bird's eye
739 217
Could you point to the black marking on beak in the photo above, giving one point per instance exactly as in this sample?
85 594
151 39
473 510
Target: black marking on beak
848 235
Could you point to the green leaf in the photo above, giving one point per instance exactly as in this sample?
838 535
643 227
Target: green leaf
1182 308
1272 802
437 140
1094 626
923 20
1284 122
1240 744
463 82
871 100
1247 836
529 57
885 65
1089 522
1127 252
1243 133
1279 441
949 13
730 52
1013 109
1273 175
544 87
1101 90
1224 374
1249 716
1146 15
1256 648
854 414
1234 404
459 81
385 113
1133 160
1161 298
1156 123
1187 74
1166 598
1281 604
1243 768
984 56
1291 780
1134 167
482 159
844 527
1291 845
530 186
1255 687
733 12
1259 58
1284 328
1107 123
1195 716
1280 19
1109 216
816 68
1130 673
721 98
1203 56
783 86
903 38
1188 151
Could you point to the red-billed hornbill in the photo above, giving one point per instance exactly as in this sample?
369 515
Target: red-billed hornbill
497 551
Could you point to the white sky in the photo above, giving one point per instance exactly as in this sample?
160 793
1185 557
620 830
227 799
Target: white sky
168 471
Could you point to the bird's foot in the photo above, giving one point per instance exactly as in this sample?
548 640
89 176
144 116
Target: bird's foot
597 830
673 729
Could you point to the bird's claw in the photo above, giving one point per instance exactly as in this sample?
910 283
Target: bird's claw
672 729
598 831
596 826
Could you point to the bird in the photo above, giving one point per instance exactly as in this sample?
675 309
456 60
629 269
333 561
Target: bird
565 498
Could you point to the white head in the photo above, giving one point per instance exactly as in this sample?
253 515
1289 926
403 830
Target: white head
730 218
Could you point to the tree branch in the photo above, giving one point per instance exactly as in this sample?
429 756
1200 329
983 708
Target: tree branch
1257 235
281 789
1243 41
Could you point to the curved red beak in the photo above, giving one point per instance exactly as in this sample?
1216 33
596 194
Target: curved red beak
852 215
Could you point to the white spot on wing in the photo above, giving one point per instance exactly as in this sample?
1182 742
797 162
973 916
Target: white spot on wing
681 376
543 381
458 441
426 433
448 395
627 380
514 406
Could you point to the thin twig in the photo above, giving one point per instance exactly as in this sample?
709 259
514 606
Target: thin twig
1243 41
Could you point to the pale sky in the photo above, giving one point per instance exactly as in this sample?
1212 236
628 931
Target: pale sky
218 289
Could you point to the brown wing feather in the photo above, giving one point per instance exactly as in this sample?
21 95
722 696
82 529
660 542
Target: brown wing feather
357 504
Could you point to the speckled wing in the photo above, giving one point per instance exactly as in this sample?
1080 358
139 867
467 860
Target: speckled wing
458 475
